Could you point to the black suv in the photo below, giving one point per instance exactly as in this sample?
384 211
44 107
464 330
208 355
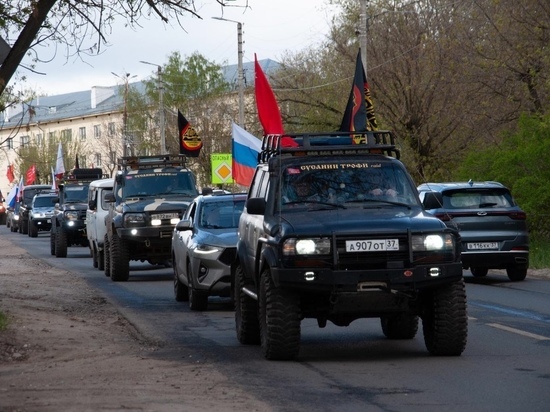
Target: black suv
492 226
149 197
25 207
69 220
353 242
41 214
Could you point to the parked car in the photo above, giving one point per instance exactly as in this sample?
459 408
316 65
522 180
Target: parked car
492 225
12 218
41 212
98 209
204 244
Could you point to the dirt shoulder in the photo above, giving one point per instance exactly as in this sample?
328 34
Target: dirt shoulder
67 348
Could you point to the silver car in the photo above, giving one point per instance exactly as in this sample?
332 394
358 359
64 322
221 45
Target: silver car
204 244
492 226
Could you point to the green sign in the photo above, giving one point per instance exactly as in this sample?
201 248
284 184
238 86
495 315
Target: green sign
221 168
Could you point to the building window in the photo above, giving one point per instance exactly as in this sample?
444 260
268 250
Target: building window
82 160
24 141
98 160
97 131
9 143
111 129
112 157
52 135
39 139
67 135
82 133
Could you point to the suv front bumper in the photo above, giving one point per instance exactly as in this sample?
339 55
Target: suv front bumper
42 223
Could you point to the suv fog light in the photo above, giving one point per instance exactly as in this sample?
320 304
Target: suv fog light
71 223
309 276
434 272
156 222
133 231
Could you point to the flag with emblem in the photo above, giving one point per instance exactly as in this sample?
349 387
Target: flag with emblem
190 141
359 114
30 176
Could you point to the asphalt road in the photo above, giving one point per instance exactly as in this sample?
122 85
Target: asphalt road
505 367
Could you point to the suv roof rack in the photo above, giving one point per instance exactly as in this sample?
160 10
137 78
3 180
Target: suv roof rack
373 142
146 162
84 174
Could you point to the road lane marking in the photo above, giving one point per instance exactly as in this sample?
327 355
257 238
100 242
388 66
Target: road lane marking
518 331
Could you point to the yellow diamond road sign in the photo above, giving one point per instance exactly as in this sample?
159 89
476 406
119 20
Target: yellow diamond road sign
221 168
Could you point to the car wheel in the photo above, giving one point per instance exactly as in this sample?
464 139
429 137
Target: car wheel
516 274
25 227
279 320
445 321
94 256
120 259
403 326
52 243
106 256
479 272
247 323
197 300
61 243
181 292
100 260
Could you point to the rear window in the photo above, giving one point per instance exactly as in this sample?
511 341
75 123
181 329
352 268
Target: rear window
476 199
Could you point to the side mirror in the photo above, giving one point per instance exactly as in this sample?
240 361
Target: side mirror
255 206
184 224
92 204
118 179
110 197
432 200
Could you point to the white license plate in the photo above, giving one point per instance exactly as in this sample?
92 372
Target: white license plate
163 216
482 245
378 245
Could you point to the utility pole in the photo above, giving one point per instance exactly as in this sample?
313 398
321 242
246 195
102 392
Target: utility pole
363 30
240 72
124 114
162 126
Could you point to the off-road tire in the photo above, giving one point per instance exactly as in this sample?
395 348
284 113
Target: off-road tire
100 259
479 272
279 314
402 326
120 259
445 321
106 256
52 243
247 323
516 274
197 300
33 230
61 243
25 227
181 292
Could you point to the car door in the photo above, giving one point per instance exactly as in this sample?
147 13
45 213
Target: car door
183 239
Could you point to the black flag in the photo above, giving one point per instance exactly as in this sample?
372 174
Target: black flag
190 141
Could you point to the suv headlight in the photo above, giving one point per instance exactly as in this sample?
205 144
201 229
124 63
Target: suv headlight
312 246
37 214
434 242
134 219
71 215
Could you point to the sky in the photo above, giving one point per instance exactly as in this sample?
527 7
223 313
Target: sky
270 28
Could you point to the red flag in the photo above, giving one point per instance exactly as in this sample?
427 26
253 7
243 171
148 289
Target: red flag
9 174
268 109
359 114
30 176
190 141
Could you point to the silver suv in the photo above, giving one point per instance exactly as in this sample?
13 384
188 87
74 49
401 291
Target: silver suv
492 226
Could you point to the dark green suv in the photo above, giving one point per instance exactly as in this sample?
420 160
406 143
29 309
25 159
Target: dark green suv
335 231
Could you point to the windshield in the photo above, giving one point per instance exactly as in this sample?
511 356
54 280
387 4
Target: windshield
75 194
342 184
159 184
43 202
221 215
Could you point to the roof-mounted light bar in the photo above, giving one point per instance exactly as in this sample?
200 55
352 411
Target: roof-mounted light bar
147 162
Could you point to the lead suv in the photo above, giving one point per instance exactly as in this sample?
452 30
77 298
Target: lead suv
492 225
335 231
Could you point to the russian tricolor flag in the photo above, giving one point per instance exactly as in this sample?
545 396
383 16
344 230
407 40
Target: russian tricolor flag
246 148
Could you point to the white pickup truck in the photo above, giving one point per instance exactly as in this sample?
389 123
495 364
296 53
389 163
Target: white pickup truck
95 218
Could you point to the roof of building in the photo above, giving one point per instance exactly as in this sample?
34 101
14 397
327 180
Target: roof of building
99 99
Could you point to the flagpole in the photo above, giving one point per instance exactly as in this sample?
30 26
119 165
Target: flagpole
363 33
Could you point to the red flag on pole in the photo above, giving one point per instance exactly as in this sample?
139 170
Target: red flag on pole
268 109
9 174
30 176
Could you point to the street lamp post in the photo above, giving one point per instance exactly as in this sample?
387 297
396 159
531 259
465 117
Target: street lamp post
124 114
240 72
161 107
